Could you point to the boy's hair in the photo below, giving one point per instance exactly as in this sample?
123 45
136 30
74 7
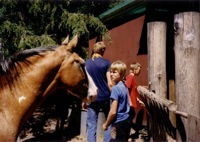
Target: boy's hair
135 66
99 47
120 67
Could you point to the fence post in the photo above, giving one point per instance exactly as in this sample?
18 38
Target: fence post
187 64
156 38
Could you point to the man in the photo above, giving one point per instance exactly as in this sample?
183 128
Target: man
98 68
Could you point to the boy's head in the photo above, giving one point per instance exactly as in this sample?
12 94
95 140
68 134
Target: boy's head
135 68
99 47
120 67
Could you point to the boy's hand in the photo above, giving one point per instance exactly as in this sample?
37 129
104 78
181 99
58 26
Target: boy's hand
104 127
140 102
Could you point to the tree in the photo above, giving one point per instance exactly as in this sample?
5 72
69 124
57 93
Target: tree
29 24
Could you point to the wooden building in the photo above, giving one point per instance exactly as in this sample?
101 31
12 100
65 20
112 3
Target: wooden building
128 26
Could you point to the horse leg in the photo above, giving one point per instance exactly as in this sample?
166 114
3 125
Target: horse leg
62 105
61 120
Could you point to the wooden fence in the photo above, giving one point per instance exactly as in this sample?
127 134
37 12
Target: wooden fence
159 122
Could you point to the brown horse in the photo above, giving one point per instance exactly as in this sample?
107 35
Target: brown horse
29 76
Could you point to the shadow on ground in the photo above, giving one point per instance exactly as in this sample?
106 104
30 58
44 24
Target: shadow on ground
42 125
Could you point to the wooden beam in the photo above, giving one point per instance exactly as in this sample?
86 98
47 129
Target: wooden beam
170 105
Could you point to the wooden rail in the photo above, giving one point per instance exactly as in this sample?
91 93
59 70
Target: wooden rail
167 103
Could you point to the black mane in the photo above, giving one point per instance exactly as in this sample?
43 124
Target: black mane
8 70
11 61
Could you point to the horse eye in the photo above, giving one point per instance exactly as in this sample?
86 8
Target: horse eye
77 61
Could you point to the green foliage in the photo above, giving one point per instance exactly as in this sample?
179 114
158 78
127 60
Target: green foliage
31 41
29 24
10 34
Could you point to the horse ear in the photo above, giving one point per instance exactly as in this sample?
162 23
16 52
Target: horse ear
72 43
65 42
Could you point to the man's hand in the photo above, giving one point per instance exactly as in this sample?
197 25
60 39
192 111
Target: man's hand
84 106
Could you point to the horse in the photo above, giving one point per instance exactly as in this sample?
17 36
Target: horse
28 77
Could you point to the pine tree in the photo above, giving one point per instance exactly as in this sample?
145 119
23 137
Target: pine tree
29 24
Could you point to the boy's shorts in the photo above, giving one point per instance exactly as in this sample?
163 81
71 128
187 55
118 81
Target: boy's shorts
120 131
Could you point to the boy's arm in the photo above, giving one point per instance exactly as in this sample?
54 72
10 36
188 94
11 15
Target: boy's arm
130 100
111 115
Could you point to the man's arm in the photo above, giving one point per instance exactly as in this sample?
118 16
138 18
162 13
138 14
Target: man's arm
110 83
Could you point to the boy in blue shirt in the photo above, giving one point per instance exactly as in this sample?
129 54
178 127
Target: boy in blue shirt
118 115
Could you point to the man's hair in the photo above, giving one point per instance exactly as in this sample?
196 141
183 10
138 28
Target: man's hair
99 47
120 67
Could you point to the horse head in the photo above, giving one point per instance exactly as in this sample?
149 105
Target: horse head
72 73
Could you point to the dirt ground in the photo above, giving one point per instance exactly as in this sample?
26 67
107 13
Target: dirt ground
49 134
41 127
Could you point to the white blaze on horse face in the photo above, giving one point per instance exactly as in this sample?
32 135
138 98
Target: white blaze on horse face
92 89
21 99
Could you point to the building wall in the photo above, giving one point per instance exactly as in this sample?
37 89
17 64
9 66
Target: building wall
125 46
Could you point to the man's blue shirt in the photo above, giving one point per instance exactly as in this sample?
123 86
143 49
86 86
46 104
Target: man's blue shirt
97 68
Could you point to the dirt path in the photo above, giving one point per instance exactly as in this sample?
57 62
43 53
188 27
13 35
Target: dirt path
42 127
49 134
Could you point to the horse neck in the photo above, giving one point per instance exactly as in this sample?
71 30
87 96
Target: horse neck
28 90
42 76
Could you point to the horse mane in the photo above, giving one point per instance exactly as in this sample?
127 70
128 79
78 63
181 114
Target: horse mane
8 66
